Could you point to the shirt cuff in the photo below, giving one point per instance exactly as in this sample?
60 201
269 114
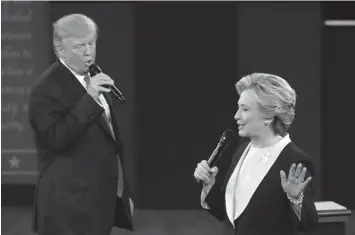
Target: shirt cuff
297 209
205 190
297 204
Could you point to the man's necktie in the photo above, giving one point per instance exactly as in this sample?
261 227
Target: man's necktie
106 115
107 118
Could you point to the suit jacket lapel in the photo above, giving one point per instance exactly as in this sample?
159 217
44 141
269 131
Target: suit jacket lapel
103 122
112 102
73 88
104 125
75 91
236 157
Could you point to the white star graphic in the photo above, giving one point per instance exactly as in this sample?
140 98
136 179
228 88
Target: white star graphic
14 162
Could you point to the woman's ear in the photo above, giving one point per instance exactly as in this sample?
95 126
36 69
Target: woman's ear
268 121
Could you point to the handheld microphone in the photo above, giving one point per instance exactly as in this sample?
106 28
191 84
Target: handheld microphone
95 69
225 139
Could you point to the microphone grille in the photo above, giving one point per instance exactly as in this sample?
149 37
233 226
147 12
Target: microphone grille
94 69
227 134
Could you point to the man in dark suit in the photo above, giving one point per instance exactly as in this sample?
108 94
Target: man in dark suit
82 188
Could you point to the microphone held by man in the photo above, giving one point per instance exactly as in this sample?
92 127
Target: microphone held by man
76 123
95 70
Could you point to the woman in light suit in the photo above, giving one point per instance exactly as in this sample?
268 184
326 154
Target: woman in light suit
268 187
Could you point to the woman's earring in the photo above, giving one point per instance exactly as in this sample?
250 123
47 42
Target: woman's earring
267 123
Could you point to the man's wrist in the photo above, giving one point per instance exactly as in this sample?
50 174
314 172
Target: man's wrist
208 185
94 94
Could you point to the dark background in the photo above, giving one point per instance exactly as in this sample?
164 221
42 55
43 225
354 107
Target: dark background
177 63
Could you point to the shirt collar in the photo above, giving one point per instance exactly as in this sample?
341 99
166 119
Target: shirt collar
78 76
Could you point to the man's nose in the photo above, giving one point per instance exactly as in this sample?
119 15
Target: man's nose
88 50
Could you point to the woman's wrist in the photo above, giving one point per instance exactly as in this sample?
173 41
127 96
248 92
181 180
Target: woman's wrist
296 201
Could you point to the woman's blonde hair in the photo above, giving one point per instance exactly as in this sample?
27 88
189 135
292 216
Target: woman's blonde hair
276 97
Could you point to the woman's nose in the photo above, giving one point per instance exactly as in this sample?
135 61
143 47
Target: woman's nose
236 116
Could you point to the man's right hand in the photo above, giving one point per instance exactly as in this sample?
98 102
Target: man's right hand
95 87
204 173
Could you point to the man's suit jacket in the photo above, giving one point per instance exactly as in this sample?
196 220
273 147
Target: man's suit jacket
269 210
78 159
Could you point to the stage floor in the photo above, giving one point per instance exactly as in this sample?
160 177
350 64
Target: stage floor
17 221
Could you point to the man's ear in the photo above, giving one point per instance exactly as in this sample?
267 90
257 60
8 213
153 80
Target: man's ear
59 51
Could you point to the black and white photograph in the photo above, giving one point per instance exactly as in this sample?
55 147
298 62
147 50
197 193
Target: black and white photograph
177 117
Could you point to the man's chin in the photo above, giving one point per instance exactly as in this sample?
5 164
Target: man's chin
85 69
